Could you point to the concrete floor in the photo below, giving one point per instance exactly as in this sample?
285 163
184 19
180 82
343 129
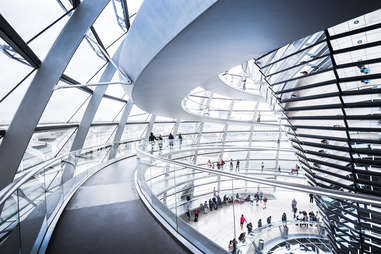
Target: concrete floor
106 216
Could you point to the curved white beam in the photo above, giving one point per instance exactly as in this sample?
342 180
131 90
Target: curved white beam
176 46
216 85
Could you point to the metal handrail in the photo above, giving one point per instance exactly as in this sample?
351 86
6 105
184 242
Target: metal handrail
356 197
12 187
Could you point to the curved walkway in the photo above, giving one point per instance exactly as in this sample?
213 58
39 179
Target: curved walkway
219 86
106 216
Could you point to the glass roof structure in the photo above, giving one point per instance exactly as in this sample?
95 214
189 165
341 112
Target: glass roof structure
66 106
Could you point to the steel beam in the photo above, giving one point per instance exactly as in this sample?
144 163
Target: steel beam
37 96
120 128
89 115
10 36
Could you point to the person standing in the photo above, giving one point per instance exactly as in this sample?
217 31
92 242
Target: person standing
180 140
262 166
269 220
237 166
196 215
230 246
222 164
234 246
264 202
293 206
249 227
170 140
152 139
311 198
242 220
284 218
231 164
160 142
206 207
256 196
259 223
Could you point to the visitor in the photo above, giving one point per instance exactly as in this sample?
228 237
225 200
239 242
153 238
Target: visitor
209 164
218 165
225 199
196 215
206 207
269 220
259 118
284 218
237 166
230 246
152 139
242 236
210 205
170 140
202 207
180 140
242 220
262 166
231 164
234 246
222 164
219 202
297 169
264 202
256 196
259 223
311 198
260 196
293 206
215 206
160 142
249 227
188 216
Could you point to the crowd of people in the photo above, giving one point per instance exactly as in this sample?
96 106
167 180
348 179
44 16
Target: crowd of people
160 141
220 164
217 202
302 216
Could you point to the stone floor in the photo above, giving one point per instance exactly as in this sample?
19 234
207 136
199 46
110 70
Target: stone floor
218 225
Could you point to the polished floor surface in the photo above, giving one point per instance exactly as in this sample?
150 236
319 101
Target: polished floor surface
106 216
218 225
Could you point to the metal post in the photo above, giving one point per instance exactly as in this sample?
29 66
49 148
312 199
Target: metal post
88 116
37 96
120 128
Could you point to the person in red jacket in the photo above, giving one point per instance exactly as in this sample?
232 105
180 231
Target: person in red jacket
242 220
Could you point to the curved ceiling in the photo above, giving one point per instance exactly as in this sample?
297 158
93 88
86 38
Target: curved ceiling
183 44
